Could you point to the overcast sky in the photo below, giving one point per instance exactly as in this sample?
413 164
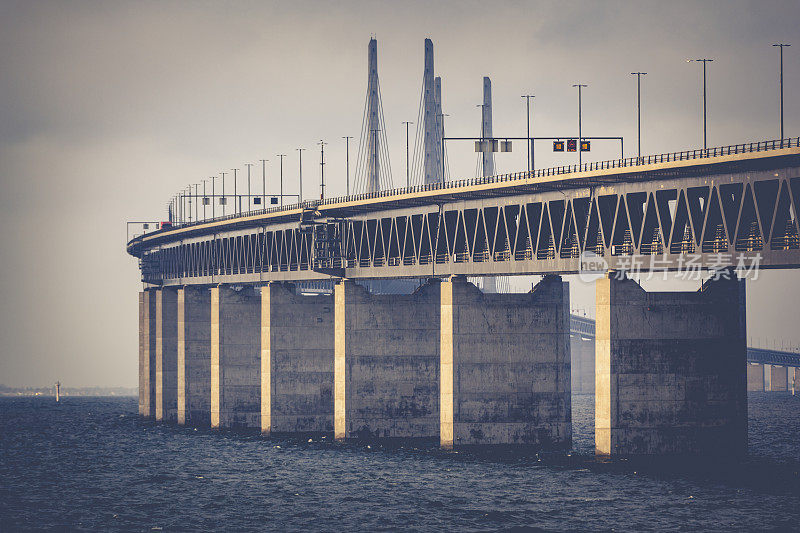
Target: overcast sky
108 108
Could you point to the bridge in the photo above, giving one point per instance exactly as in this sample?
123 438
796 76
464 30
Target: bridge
702 209
227 340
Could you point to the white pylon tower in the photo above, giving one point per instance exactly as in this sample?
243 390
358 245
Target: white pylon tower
431 119
373 120
486 128
490 283
439 131
373 171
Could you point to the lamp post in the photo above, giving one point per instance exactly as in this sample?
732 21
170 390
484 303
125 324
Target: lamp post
347 162
300 152
223 200
705 128
264 183
442 117
781 46
237 201
638 111
482 156
527 98
408 173
580 132
322 144
281 156
204 200
248 165
213 197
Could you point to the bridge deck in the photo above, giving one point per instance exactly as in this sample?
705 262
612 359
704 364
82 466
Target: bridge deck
732 200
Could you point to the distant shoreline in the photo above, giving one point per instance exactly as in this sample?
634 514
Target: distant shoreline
66 392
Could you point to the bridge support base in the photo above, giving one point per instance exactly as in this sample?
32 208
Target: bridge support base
386 363
755 377
166 355
505 366
194 356
147 353
235 357
671 374
778 378
296 361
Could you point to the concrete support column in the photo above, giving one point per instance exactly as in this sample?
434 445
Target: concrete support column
779 378
194 356
166 354
297 353
671 369
386 368
235 357
755 377
147 353
505 366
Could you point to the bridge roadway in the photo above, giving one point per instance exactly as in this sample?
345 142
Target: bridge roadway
727 206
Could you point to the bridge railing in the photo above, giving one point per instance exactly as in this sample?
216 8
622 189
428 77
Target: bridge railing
540 173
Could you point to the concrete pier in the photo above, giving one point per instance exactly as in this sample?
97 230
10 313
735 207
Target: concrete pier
386 369
147 353
505 366
235 357
755 377
297 354
779 378
194 356
166 355
671 369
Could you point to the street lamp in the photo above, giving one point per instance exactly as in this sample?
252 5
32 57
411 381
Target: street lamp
705 128
281 156
204 200
322 144
408 172
638 111
264 183
248 165
223 200
781 46
347 162
237 201
213 197
527 98
580 133
300 152
442 115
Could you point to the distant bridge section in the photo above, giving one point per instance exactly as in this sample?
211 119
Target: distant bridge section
702 209
581 326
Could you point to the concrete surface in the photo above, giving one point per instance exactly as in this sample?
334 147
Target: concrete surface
235 357
297 353
670 370
505 366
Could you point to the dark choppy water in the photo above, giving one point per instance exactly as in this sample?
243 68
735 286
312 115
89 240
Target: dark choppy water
92 464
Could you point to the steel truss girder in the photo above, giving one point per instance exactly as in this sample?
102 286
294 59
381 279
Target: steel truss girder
753 215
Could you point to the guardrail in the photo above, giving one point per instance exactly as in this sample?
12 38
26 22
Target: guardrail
685 155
